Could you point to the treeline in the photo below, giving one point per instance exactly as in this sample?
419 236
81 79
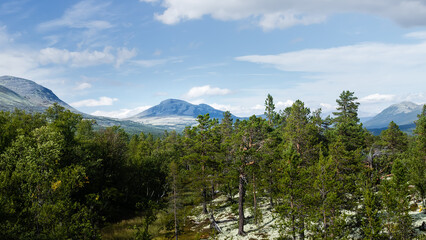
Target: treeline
60 179
323 178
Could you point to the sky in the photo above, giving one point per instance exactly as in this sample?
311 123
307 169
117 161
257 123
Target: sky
117 58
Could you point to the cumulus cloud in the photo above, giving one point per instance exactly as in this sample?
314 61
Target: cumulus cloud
239 110
122 113
83 86
325 107
102 101
283 105
206 90
374 98
270 14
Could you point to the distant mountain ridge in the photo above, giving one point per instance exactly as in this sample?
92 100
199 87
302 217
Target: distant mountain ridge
404 113
176 107
27 95
176 114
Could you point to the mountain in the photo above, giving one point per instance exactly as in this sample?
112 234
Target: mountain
10 100
176 107
27 95
176 114
403 114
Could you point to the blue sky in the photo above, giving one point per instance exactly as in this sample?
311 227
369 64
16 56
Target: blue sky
116 58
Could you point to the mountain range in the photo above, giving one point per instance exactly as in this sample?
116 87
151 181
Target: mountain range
170 114
27 95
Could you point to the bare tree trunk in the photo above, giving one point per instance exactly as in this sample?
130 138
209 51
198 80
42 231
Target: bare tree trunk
212 189
241 195
204 192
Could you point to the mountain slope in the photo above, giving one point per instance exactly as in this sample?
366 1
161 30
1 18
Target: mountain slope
9 100
175 114
404 113
176 107
37 95
27 95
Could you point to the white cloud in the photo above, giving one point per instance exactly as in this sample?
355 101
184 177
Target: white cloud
102 101
239 110
83 86
122 113
283 105
5 37
222 107
80 16
270 14
206 90
374 98
76 59
85 58
416 35
155 62
360 68
325 107
371 57
258 107
124 54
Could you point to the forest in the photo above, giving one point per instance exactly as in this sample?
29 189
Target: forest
323 178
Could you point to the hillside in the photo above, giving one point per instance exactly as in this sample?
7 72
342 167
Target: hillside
404 113
24 94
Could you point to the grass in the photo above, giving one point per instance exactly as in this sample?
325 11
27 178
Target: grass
126 229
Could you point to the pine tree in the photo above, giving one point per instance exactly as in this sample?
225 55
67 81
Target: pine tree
247 140
395 195
326 188
394 139
418 158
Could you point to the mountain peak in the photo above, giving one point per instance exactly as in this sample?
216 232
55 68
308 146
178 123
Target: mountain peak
403 107
177 107
32 92
172 101
401 113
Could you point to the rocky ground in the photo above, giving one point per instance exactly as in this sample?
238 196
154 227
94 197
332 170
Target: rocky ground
227 219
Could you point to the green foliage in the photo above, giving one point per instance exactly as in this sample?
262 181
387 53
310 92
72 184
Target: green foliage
394 139
325 179
417 162
347 107
395 195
